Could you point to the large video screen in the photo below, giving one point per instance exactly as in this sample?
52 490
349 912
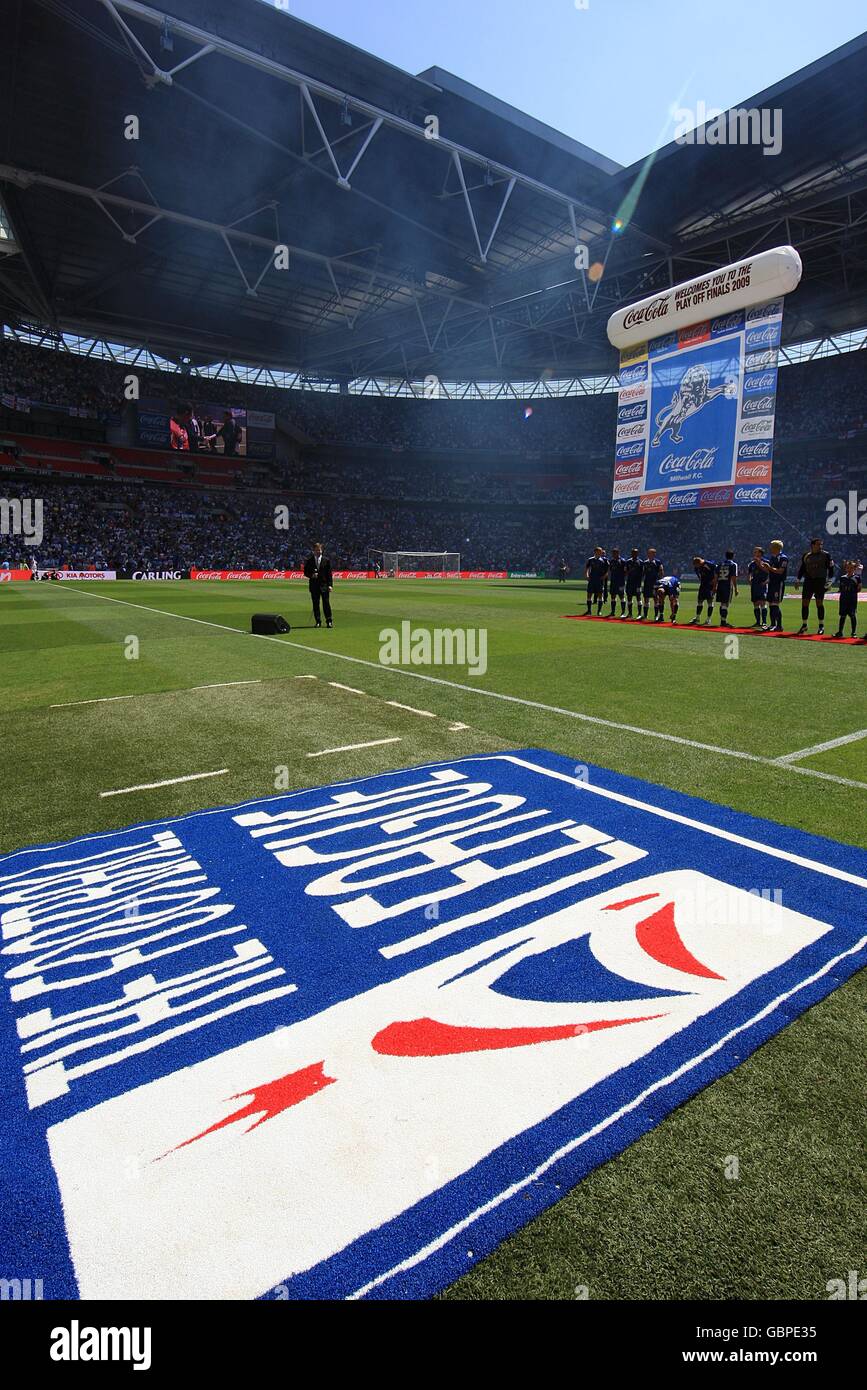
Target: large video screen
208 428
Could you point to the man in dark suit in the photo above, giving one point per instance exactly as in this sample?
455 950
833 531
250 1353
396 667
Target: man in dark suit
317 570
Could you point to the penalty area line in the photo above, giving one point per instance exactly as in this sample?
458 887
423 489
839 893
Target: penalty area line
490 694
822 747
167 782
351 747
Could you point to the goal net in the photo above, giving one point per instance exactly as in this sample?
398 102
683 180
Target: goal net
392 563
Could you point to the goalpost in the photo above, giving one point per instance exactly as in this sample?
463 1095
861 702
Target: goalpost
391 563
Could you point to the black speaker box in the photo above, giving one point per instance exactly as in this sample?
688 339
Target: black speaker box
266 624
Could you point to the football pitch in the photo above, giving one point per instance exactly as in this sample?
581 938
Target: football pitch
134 702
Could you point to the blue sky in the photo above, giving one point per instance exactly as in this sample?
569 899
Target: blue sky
608 74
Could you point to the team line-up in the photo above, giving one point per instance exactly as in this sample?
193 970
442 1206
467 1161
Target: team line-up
635 583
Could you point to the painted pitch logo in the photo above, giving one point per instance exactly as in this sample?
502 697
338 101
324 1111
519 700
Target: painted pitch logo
497 970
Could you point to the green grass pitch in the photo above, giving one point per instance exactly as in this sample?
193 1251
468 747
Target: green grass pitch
200 694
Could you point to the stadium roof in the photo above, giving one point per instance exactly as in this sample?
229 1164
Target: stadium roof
430 228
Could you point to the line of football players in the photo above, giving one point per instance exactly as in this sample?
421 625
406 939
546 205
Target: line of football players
635 583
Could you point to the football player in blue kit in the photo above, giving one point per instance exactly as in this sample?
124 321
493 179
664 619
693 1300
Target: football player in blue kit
706 571
850 586
726 586
778 569
634 570
651 573
617 583
595 572
667 588
757 570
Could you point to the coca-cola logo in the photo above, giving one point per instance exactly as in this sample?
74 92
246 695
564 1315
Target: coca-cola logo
627 488
756 449
633 393
692 334
628 375
630 451
653 502
729 323
753 427
753 473
696 462
762 337
632 431
765 311
624 508
646 313
629 470
751 494
757 361
664 344
716 496
632 412
682 499
759 381
758 405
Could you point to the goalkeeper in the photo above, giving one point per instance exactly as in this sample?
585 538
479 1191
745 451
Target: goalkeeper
815 570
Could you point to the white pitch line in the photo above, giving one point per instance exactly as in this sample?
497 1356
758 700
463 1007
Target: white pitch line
453 728
220 685
103 700
425 713
822 747
168 782
350 747
145 694
351 688
489 694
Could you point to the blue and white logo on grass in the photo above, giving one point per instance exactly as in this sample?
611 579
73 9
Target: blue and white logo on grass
328 1042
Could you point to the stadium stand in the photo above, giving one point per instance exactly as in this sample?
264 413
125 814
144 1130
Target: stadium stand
475 474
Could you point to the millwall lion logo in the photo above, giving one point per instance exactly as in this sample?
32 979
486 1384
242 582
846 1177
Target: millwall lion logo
693 394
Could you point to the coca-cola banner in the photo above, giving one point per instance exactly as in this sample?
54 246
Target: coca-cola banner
695 417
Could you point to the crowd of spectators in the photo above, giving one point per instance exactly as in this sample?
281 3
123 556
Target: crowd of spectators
64 380
125 526
496 511
823 398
